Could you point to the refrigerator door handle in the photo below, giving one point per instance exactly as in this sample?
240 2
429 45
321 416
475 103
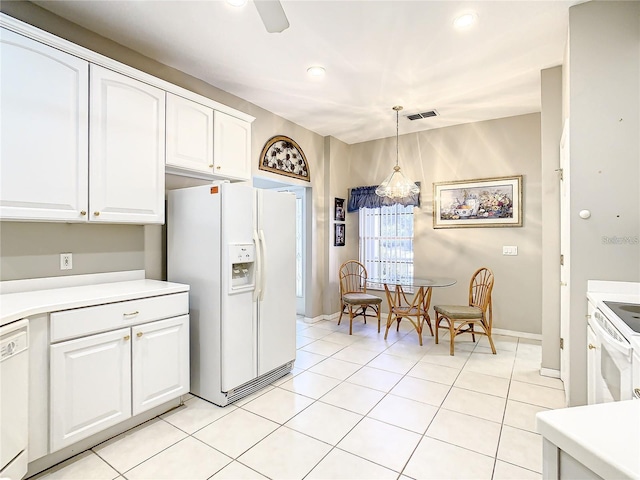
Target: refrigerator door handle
263 268
258 279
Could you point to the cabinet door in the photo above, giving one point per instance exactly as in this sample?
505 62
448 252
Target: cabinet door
189 135
44 130
231 146
127 139
160 362
90 386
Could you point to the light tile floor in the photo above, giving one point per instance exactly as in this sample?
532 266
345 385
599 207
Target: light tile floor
355 407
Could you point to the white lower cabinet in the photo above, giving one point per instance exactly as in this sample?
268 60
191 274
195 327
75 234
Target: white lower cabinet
160 366
90 385
100 380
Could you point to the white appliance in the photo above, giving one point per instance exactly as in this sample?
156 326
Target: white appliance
14 390
636 370
235 246
614 328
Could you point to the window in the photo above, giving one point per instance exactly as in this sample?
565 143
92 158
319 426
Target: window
386 242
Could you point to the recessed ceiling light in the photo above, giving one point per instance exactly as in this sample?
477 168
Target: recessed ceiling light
465 21
237 3
316 71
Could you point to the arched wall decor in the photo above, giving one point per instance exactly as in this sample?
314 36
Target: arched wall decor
284 156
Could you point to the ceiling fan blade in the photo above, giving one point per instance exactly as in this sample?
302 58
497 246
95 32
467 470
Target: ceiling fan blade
272 14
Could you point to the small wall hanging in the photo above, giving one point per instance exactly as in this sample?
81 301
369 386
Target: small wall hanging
339 209
282 155
338 234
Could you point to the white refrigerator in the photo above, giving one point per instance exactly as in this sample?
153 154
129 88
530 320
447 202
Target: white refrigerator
235 246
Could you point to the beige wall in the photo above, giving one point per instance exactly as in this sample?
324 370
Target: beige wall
31 250
339 174
509 146
604 104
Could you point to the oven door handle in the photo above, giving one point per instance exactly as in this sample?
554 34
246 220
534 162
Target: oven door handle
607 339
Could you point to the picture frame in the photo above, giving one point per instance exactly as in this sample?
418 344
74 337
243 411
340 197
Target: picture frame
339 234
485 202
282 155
338 210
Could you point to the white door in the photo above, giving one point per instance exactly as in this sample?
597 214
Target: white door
237 318
160 362
276 212
565 264
90 386
44 130
231 146
127 145
189 135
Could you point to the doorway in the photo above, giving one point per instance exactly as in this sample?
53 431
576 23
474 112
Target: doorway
565 238
301 234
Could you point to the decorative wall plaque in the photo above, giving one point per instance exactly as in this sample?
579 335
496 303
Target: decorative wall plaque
284 156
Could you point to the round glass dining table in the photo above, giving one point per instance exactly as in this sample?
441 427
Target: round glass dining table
401 307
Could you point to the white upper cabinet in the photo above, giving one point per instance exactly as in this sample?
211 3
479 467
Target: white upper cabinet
44 131
189 136
231 146
127 142
88 139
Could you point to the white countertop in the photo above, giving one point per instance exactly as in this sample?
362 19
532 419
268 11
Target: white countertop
604 437
14 306
599 291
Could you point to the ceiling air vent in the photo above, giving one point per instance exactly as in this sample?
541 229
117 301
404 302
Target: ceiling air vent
418 116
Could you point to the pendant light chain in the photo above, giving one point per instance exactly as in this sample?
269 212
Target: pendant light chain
397 134
396 186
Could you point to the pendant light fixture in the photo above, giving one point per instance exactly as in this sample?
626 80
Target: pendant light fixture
397 185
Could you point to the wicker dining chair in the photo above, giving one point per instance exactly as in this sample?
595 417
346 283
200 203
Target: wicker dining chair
353 293
477 312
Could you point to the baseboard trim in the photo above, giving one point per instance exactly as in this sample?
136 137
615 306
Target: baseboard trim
513 333
550 372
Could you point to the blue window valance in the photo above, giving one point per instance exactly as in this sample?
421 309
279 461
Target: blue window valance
365 197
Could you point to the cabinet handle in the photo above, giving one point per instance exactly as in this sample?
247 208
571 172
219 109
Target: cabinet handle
211 166
83 212
591 347
139 334
218 167
636 392
132 314
126 338
96 214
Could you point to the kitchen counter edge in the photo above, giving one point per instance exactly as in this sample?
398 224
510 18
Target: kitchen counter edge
14 306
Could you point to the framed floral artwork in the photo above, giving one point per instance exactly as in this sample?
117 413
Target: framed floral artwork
282 155
487 202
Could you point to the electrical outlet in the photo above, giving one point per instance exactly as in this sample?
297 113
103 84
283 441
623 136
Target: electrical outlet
66 261
509 250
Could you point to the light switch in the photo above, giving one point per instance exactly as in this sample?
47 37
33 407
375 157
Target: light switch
509 250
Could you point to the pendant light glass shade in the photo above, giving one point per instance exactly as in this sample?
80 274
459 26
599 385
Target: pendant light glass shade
396 185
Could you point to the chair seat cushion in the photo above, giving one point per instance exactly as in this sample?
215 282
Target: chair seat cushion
459 311
361 299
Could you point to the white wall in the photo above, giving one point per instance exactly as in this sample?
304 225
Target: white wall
508 146
604 110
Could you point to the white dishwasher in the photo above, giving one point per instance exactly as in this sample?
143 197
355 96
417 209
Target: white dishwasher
14 388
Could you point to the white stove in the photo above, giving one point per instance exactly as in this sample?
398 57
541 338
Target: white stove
614 341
